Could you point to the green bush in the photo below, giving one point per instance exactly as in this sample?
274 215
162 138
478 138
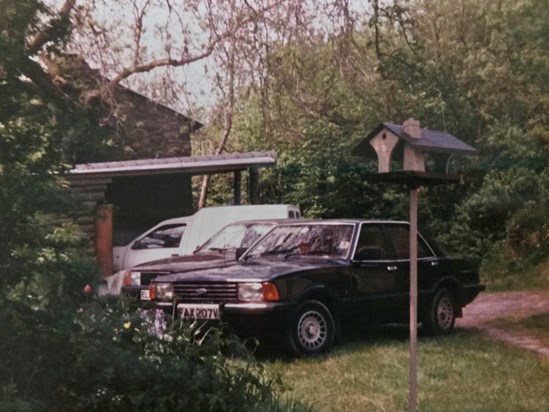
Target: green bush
510 206
506 225
105 356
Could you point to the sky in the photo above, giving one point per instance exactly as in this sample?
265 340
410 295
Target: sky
197 92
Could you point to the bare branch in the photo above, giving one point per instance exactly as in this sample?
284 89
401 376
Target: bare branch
41 38
138 30
187 58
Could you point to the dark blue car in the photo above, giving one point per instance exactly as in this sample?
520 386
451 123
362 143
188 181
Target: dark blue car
304 282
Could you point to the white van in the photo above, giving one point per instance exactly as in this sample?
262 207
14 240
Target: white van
182 235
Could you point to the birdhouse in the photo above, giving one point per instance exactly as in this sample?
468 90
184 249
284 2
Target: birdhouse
410 145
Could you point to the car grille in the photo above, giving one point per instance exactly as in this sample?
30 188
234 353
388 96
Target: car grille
206 292
146 277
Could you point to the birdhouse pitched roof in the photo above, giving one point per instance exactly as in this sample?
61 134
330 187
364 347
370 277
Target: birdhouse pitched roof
429 141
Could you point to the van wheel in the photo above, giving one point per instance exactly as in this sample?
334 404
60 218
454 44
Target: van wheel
441 314
312 329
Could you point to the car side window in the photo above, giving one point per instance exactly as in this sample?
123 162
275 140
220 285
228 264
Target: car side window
400 236
423 250
167 236
371 244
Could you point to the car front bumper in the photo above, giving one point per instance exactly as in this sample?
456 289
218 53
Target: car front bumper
246 316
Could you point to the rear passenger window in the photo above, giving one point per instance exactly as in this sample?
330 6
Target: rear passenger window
400 236
372 244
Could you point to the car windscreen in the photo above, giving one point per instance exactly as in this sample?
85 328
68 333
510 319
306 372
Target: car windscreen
239 235
323 240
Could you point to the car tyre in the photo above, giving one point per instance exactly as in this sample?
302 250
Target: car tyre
441 314
312 329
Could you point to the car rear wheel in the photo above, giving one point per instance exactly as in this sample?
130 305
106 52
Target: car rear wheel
441 314
312 329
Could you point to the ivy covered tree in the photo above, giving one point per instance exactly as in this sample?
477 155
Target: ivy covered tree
43 264
32 194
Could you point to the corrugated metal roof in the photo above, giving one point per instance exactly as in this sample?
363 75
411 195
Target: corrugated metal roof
189 164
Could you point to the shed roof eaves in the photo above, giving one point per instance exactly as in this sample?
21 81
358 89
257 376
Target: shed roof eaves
196 164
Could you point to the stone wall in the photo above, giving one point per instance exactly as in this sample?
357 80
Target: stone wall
149 130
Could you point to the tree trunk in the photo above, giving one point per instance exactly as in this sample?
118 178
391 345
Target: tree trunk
227 127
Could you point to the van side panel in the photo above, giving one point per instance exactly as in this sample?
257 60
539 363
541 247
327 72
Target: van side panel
199 228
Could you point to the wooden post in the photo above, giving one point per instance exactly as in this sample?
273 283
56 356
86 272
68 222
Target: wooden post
103 238
237 187
417 144
254 185
413 298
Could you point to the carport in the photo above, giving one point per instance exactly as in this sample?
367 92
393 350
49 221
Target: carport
123 198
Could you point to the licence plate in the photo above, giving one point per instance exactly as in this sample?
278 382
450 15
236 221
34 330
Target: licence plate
145 295
198 311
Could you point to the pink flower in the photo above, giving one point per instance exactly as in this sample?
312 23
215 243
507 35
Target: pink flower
87 289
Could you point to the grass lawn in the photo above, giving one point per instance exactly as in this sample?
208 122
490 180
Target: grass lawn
536 326
461 372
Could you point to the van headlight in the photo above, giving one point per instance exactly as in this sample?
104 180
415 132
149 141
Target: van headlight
258 292
161 291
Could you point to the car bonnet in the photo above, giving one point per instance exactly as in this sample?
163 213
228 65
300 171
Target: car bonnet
258 269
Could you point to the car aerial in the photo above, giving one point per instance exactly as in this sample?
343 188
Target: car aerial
304 282
223 247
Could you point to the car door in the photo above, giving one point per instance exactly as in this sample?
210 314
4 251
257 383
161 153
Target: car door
374 273
428 267
427 264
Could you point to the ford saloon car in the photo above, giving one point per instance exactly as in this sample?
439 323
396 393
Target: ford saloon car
304 282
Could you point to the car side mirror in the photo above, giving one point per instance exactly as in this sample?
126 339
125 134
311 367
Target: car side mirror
239 252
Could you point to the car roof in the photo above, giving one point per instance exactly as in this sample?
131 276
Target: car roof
344 221
266 220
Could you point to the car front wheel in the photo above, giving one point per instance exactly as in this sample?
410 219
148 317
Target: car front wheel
312 329
441 314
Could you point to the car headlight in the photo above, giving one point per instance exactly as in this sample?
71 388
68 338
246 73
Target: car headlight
161 291
132 278
257 291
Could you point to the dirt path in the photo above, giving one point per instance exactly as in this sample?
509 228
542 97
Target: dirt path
490 306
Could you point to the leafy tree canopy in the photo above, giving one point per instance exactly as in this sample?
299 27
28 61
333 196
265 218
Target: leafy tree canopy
476 69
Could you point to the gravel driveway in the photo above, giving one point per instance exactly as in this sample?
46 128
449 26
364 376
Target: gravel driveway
490 306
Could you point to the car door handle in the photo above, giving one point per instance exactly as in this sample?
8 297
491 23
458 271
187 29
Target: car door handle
391 268
434 263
